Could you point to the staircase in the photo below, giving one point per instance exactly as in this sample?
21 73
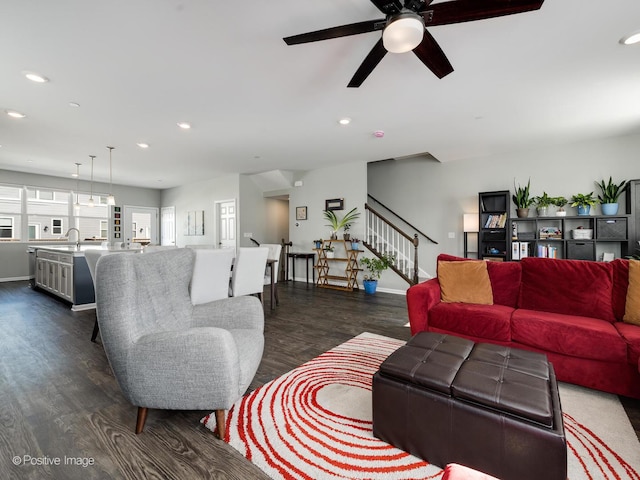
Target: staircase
383 237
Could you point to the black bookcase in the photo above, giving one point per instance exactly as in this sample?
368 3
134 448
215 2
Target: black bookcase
494 238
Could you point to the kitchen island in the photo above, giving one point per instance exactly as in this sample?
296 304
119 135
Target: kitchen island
62 271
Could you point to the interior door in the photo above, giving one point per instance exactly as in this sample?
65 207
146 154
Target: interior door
168 226
140 225
226 224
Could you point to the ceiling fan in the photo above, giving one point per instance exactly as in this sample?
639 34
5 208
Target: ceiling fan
404 29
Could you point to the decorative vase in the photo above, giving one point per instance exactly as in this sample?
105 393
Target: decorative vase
542 211
609 208
329 254
561 212
355 246
346 236
334 236
318 244
522 212
370 286
584 209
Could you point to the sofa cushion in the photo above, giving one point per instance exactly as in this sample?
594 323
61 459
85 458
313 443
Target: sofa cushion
504 276
466 282
620 285
570 287
631 335
489 322
632 305
577 336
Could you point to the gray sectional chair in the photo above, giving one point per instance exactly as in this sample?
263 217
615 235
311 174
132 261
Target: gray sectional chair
167 353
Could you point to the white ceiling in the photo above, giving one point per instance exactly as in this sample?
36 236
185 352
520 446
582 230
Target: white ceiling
136 68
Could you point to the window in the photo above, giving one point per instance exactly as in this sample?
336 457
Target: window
56 226
10 213
6 227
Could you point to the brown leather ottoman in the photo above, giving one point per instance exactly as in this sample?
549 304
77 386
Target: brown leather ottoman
495 409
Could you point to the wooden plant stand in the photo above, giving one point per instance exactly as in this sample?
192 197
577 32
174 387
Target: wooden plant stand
344 256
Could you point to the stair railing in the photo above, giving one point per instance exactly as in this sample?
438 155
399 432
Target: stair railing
383 237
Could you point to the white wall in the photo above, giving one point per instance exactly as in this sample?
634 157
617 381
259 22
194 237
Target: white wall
277 225
200 196
433 196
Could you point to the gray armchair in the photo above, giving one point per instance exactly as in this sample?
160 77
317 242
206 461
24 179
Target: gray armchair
167 353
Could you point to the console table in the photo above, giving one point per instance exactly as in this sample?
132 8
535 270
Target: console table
307 257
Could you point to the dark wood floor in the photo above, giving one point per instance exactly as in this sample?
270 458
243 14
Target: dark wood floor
59 399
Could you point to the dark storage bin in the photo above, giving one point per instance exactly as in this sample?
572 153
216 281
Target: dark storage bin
581 250
611 229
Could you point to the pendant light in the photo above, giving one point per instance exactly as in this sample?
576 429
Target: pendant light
76 206
111 200
91 202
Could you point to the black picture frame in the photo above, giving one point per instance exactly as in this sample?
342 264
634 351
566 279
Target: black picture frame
301 213
334 204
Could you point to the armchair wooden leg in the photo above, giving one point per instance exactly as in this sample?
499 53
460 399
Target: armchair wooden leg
96 328
142 418
221 423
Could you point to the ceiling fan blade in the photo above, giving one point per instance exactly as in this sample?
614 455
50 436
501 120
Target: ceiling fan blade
335 32
376 54
430 53
458 11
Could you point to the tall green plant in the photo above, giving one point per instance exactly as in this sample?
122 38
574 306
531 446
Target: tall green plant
337 223
375 266
522 198
610 191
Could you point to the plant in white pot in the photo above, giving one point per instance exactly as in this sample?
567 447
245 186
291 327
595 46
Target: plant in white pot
609 198
560 202
374 267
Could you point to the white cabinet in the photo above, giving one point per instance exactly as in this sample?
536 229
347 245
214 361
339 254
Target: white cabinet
54 273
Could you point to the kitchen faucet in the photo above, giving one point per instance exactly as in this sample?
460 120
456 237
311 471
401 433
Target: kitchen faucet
78 231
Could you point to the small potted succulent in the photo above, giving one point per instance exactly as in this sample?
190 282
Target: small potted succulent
560 202
375 266
609 198
329 251
584 202
318 244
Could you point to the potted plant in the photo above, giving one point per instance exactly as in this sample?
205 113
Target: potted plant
355 244
584 202
609 197
543 203
329 251
522 199
560 202
318 244
336 223
375 266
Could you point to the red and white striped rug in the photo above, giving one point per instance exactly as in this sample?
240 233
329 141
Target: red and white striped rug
315 423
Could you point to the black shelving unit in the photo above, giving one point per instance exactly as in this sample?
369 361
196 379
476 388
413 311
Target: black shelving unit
494 237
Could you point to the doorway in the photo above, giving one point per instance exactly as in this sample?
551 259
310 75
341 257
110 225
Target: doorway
168 226
140 225
226 223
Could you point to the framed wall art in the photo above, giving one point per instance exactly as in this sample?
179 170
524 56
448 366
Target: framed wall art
301 213
334 204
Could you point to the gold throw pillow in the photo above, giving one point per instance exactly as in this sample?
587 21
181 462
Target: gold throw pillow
465 282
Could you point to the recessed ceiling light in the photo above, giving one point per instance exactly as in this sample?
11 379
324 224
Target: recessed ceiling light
14 114
631 39
143 145
74 104
36 77
184 125
344 121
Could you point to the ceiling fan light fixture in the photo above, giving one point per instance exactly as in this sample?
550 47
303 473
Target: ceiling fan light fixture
403 33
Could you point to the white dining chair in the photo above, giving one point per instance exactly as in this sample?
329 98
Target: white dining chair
211 271
248 271
274 254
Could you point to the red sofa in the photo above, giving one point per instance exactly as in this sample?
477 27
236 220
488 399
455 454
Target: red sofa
571 310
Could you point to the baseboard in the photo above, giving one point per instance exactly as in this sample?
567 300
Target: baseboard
14 279
84 306
391 290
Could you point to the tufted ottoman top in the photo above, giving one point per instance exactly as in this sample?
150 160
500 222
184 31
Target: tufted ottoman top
509 380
